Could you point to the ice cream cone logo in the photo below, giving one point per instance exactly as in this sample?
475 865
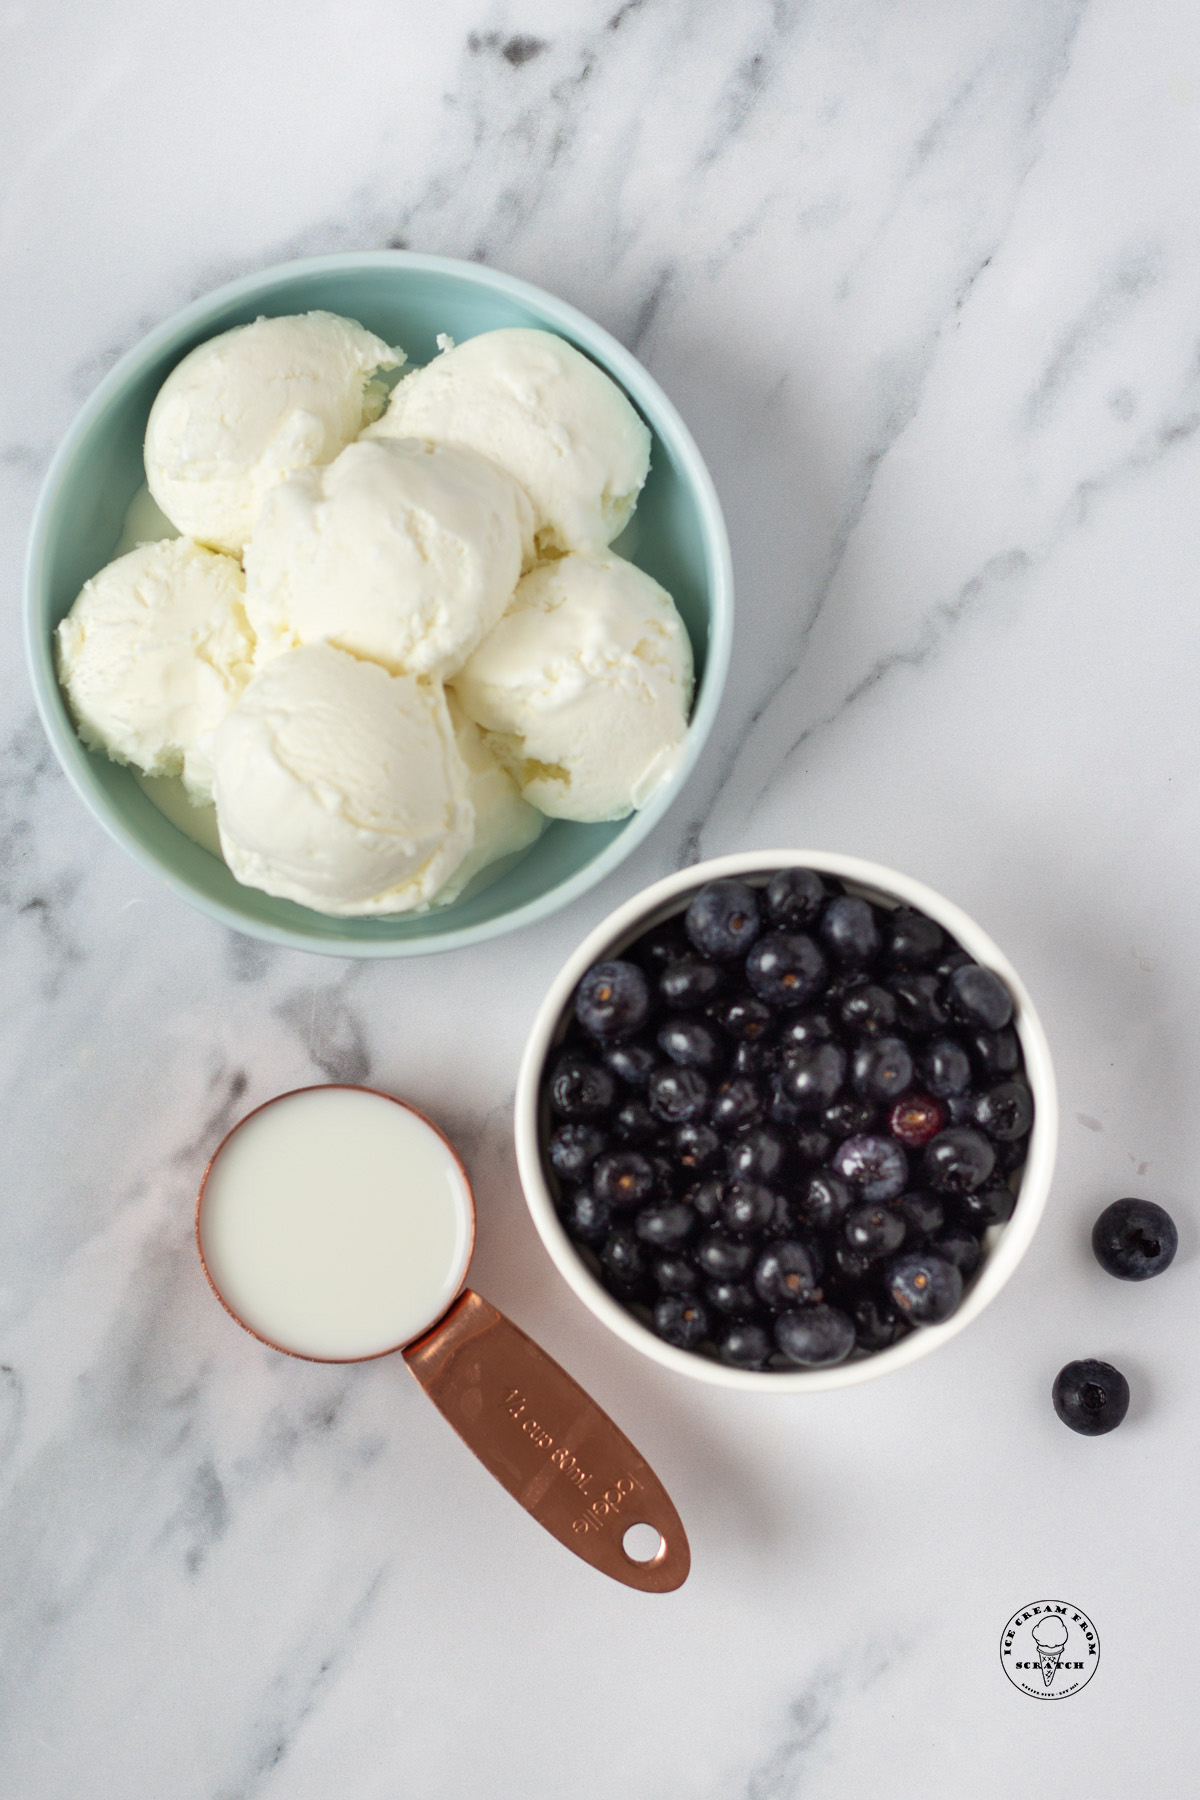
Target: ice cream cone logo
1050 1636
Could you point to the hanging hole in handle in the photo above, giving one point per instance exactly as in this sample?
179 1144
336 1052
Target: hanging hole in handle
644 1544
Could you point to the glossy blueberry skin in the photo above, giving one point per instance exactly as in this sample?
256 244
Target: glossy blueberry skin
811 1075
634 1123
868 1010
692 1043
881 1068
849 1116
677 1095
875 1167
633 1063
876 1323
581 1089
734 1298
824 1200
697 1145
849 931
613 1000
682 1320
786 1274
815 1337
743 1345
874 1230
978 998
994 1053
744 1017
786 968
813 1026
916 1119
691 982
918 1003
991 1205
675 1274
961 1247
722 1258
587 1217
911 939
1090 1396
794 898
958 1161
759 1154
1134 1239
723 919
706 1199
738 1103
748 1206
1005 1111
924 1287
667 1226
622 1258
624 1178
945 1068
573 1149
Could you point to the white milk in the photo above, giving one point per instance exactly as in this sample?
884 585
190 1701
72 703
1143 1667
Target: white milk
336 1224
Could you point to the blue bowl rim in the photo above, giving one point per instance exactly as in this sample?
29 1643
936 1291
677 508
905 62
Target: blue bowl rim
667 423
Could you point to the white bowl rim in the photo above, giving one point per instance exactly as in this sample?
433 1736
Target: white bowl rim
1001 1259
637 381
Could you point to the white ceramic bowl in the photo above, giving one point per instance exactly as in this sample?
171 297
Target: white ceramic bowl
1004 1246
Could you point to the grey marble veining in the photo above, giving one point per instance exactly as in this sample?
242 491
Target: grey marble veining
924 280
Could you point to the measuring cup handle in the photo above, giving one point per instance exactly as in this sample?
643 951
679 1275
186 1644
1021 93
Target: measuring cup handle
548 1443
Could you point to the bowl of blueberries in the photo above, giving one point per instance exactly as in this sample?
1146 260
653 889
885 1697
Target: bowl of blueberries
787 1120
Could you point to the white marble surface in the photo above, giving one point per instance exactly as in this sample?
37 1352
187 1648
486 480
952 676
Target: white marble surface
924 278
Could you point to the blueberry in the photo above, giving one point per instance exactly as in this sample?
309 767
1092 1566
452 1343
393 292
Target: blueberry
622 1258
995 1053
748 1205
743 1345
986 1206
744 1017
918 1003
881 1068
1091 1397
960 1247
734 1298
634 1123
823 1200
574 1148
667 1226
681 1320
915 1119
624 1178
612 1001
697 1145
633 1062
677 1095
723 919
667 1172
815 1336
814 1026
753 1058
737 1103
692 1043
723 1258
923 1214
852 1268
1005 1111
580 1089
786 1273
587 1218
849 931
958 1161
876 1323
953 959
706 1199
910 939
795 897
868 1010
874 1230
811 1145
811 1075
924 1286
675 1274
978 997
786 968
875 1167
1134 1239
1010 1156
690 982
757 1155
945 1068
661 946
846 1118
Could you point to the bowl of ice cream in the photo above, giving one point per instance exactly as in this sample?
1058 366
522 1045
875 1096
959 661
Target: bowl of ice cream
94 504
798 1163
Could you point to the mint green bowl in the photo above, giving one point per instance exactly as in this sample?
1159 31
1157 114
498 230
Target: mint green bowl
678 536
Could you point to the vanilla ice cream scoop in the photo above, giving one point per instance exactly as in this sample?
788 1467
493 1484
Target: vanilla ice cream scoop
246 408
154 653
341 786
541 409
400 551
584 687
504 823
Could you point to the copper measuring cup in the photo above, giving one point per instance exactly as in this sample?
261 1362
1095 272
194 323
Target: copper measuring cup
554 1450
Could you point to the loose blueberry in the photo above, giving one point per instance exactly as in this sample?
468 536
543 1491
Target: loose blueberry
580 1089
986 1206
794 898
697 1145
587 1218
677 1095
876 1168
690 982
978 997
785 968
574 1148
815 1337
723 1258
748 1205
1005 1111
823 1200
1134 1239
633 1062
881 1068
743 1345
737 1103
849 931
811 1075
634 1123
723 920
869 1010
757 1155
666 1227
624 1178
612 1001
786 1273
911 939
915 1119
744 1017
958 1161
675 1274
1091 1397
874 1230
924 1286
918 1003
692 1043
960 1247
681 1320
734 1298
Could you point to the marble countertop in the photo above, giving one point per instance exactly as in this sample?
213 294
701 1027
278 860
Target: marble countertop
924 280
